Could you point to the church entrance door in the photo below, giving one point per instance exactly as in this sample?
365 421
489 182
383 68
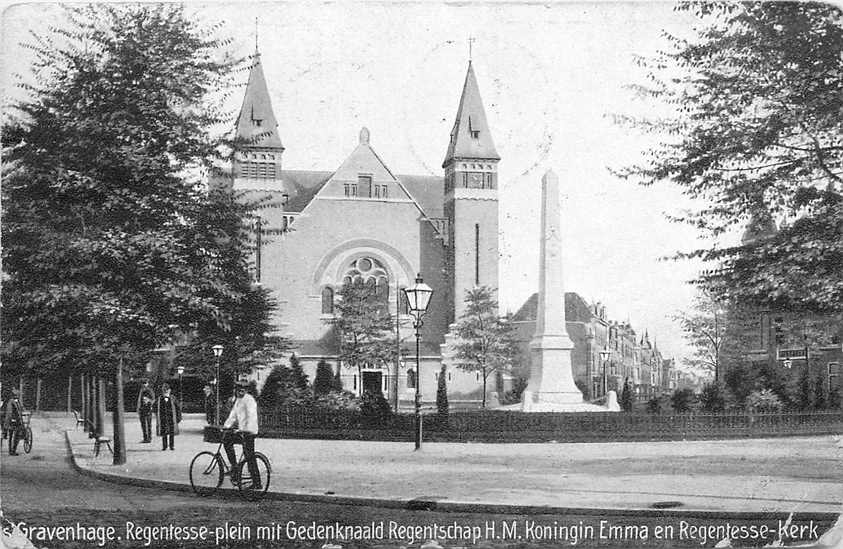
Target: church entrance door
372 382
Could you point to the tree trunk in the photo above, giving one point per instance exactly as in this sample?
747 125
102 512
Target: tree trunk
83 386
118 418
483 372
20 388
38 394
69 393
100 406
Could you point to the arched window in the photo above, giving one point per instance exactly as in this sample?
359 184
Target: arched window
411 379
327 300
371 273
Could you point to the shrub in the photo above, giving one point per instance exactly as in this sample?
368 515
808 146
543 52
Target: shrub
764 401
820 401
682 399
324 378
374 409
627 398
297 376
513 396
442 396
654 405
739 382
338 401
712 397
834 398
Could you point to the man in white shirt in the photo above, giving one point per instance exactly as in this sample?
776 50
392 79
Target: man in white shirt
244 416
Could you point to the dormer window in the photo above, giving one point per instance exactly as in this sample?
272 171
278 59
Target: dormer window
475 133
257 123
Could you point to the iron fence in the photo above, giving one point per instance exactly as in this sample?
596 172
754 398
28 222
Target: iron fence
492 426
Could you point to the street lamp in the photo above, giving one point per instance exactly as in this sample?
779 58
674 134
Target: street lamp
180 370
604 358
217 354
418 298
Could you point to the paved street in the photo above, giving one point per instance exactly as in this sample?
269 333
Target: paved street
782 475
42 489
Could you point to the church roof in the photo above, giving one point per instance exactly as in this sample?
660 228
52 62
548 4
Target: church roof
302 185
576 309
471 137
256 122
428 191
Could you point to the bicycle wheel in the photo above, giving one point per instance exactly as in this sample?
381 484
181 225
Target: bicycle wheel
206 472
27 441
248 487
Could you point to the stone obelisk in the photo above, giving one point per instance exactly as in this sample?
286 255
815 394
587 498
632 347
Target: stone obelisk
551 384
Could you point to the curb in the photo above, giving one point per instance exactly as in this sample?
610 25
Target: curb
432 504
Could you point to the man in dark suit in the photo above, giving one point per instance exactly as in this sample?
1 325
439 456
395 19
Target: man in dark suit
210 406
13 421
146 398
168 413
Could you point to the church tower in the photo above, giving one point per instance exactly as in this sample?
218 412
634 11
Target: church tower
471 198
258 148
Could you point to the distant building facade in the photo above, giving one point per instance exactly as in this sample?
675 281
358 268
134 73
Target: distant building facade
606 353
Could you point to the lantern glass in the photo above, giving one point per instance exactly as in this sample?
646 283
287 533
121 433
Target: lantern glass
418 297
217 350
180 370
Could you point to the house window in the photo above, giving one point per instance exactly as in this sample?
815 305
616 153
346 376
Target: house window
257 123
350 189
411 379
477 376
327 300
449 376
403 306
364 182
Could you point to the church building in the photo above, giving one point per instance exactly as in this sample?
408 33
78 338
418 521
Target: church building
362 222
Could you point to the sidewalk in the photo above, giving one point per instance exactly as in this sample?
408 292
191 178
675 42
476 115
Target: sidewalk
752 476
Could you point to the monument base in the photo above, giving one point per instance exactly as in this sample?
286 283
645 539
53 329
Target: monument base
554 402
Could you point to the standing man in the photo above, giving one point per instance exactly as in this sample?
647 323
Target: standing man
13 421
210 406
168 415
146 398
244 415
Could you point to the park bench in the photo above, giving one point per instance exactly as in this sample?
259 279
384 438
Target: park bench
98 441
79 419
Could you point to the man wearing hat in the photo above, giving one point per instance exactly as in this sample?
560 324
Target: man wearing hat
244 415
13 421
168 414
146 398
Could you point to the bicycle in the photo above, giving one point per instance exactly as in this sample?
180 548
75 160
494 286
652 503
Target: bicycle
207 469
24 433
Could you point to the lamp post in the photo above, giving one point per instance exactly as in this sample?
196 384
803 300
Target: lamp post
180 370
217 354
418 298
604 358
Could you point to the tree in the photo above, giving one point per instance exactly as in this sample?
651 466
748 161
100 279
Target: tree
364 327
485 341
755 134
324 378
704 330
104 248
442 396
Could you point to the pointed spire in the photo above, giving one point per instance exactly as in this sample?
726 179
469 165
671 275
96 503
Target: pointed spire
471 137
256 123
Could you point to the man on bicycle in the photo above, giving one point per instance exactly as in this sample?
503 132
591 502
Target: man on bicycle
243 415
13 421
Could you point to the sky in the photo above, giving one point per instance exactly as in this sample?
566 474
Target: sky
550 75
